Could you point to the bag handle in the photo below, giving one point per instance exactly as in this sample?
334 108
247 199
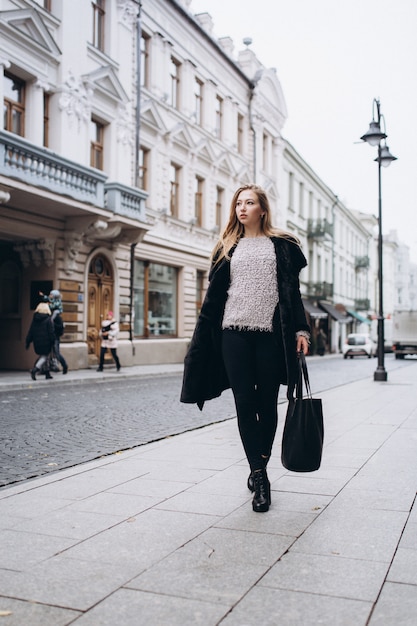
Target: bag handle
303 373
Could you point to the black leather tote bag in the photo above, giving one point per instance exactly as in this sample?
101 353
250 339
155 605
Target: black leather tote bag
302 439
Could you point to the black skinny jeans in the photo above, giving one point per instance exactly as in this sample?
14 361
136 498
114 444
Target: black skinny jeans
59 355
254 363
103 351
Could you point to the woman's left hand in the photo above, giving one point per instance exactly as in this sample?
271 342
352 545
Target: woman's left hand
302 344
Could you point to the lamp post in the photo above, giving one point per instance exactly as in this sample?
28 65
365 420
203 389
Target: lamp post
374 136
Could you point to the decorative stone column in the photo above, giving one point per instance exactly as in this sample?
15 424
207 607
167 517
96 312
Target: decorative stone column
35 113
4 65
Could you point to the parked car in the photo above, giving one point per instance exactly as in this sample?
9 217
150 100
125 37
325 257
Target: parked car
359 344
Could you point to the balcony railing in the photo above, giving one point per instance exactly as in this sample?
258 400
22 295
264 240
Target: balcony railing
319 229
363 304
362 262
40 167
126 201
321 291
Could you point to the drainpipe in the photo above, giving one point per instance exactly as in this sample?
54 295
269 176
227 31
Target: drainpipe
136 181
138 94
340 335
132 274
336 200
252 89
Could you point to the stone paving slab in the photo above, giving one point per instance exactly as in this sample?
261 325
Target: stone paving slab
21 613
341 577
291 608
396 606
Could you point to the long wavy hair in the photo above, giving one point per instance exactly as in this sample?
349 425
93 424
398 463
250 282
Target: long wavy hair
234 230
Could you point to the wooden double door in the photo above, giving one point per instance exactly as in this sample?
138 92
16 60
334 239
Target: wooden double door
100 299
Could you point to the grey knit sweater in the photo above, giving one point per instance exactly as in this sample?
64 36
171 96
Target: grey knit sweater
253 291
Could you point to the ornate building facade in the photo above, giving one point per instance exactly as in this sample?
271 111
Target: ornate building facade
127 128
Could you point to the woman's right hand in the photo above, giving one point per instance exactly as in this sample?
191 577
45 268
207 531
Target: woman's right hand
302 344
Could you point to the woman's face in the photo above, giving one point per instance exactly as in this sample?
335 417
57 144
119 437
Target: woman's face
248 209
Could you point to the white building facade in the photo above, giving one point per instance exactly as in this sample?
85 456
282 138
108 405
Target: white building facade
337 246
127 128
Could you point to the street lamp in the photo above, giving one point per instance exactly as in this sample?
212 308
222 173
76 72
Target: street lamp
374 136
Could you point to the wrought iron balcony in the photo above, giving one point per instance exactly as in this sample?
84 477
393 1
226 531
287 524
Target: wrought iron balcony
321 291
361 262
319 229
363 304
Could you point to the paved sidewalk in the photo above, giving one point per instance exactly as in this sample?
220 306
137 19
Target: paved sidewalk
12 380
165 535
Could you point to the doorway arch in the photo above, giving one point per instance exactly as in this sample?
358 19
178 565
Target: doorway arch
100 298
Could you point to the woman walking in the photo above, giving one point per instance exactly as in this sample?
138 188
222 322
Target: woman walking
251 326
108 333
41 332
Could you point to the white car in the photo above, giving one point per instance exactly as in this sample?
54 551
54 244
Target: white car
359 344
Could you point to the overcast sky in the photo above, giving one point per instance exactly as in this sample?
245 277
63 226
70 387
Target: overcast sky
332 59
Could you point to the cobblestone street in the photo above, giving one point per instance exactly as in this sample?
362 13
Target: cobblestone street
46 429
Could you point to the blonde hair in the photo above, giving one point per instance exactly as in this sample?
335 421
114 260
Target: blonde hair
43 307
234 230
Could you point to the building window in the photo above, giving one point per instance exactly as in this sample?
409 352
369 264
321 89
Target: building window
318 273
318 208
174 179
219 206
144 60
266 144
240 135
301 200
198 93
310 204
219 117
97 144
155 300
143 168
291 191
14 104
198 200
175 83
47 5
98 23
46 98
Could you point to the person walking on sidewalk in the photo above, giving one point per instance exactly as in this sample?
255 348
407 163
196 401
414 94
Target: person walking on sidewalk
55 304
108 333
59 331
41 333
321 342
251 325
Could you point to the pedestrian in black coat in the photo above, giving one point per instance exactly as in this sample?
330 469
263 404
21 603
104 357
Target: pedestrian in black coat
41 333
251 325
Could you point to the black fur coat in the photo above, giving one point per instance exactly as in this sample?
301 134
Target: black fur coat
204 373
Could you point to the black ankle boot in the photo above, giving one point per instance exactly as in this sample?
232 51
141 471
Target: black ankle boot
250 483
262 496
33 373
48 376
